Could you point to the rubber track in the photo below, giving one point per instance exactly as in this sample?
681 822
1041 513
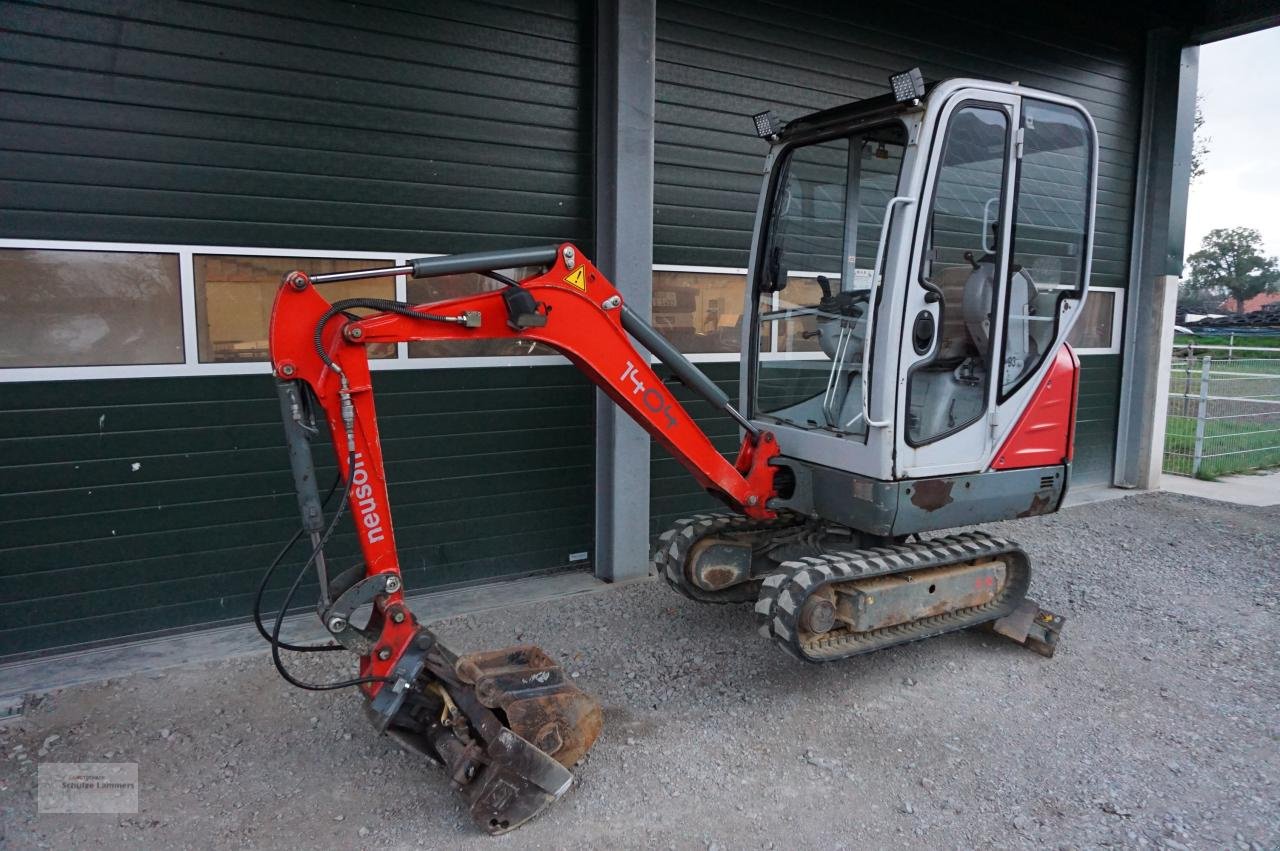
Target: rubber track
675 543
783 594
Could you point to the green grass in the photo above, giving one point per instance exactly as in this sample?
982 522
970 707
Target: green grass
1262 447
1221 369
1267 341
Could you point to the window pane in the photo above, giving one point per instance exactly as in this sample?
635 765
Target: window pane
234 295
1053 195
808 233
89 308
699 311
1048 233
1095 329
822 238
949 391
428 290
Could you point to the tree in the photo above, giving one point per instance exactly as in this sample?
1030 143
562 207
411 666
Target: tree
1230 262
1197 299
1199 141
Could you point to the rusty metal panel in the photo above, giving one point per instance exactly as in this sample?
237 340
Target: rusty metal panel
868 505
540 705
899 598
718 563
949 501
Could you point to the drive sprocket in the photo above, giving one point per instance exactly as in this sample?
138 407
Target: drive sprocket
670 558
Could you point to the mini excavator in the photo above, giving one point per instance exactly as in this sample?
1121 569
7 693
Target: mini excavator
917 262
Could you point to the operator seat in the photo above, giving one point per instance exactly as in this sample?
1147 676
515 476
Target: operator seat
955 343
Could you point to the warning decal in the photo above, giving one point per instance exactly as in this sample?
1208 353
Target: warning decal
578 277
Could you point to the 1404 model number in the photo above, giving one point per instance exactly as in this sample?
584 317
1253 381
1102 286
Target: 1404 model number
650 397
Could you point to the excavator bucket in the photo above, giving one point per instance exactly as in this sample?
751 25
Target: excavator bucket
540 705
505 724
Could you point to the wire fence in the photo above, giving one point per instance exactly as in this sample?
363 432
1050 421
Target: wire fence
1224 412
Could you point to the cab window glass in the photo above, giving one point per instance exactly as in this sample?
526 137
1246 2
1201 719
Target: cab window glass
960 265
1050 229
821 243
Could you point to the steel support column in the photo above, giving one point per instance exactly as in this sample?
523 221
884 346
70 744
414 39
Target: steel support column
1159 225
624 109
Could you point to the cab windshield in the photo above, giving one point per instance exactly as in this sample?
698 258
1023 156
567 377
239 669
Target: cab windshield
820 247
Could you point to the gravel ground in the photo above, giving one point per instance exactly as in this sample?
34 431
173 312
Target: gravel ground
1156 724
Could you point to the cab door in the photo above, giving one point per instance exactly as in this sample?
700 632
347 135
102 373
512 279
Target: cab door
949 355
1054 196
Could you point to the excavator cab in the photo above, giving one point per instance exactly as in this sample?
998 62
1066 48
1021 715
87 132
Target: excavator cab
916 265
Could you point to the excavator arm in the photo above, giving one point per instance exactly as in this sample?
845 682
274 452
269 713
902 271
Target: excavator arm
501 740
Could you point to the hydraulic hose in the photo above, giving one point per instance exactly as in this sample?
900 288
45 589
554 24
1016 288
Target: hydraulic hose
384 304
293 589
266 577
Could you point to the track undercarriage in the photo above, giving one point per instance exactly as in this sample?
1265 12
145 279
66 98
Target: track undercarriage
824 592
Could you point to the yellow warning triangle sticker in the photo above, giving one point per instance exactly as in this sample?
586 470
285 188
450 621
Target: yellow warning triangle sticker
578 278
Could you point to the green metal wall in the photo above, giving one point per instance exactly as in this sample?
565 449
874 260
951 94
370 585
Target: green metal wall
145 504
449 126
719 61
128 506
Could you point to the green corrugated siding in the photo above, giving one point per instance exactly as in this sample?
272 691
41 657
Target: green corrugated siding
137 505
395 126
1096 419
441 127
720 61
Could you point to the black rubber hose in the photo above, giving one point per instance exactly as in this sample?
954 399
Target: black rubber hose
384 304
275 632
501 278
266 577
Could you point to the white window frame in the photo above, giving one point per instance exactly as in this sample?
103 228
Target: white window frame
735 357
191 365
1117 322
705 357
1117 318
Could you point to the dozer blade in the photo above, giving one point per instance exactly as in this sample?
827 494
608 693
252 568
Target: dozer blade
505 724
1032 627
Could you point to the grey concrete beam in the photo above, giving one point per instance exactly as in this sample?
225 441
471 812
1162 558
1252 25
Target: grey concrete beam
1159 225
624 111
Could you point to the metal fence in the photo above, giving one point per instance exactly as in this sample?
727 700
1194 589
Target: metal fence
1224 411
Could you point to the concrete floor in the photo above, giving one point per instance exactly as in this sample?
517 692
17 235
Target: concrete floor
1261 489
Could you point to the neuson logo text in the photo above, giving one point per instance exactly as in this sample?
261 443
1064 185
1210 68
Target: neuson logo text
366 505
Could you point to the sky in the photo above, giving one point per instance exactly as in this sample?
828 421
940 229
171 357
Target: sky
1240 86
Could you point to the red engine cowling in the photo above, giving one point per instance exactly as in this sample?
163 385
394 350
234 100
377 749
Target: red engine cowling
1045 433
